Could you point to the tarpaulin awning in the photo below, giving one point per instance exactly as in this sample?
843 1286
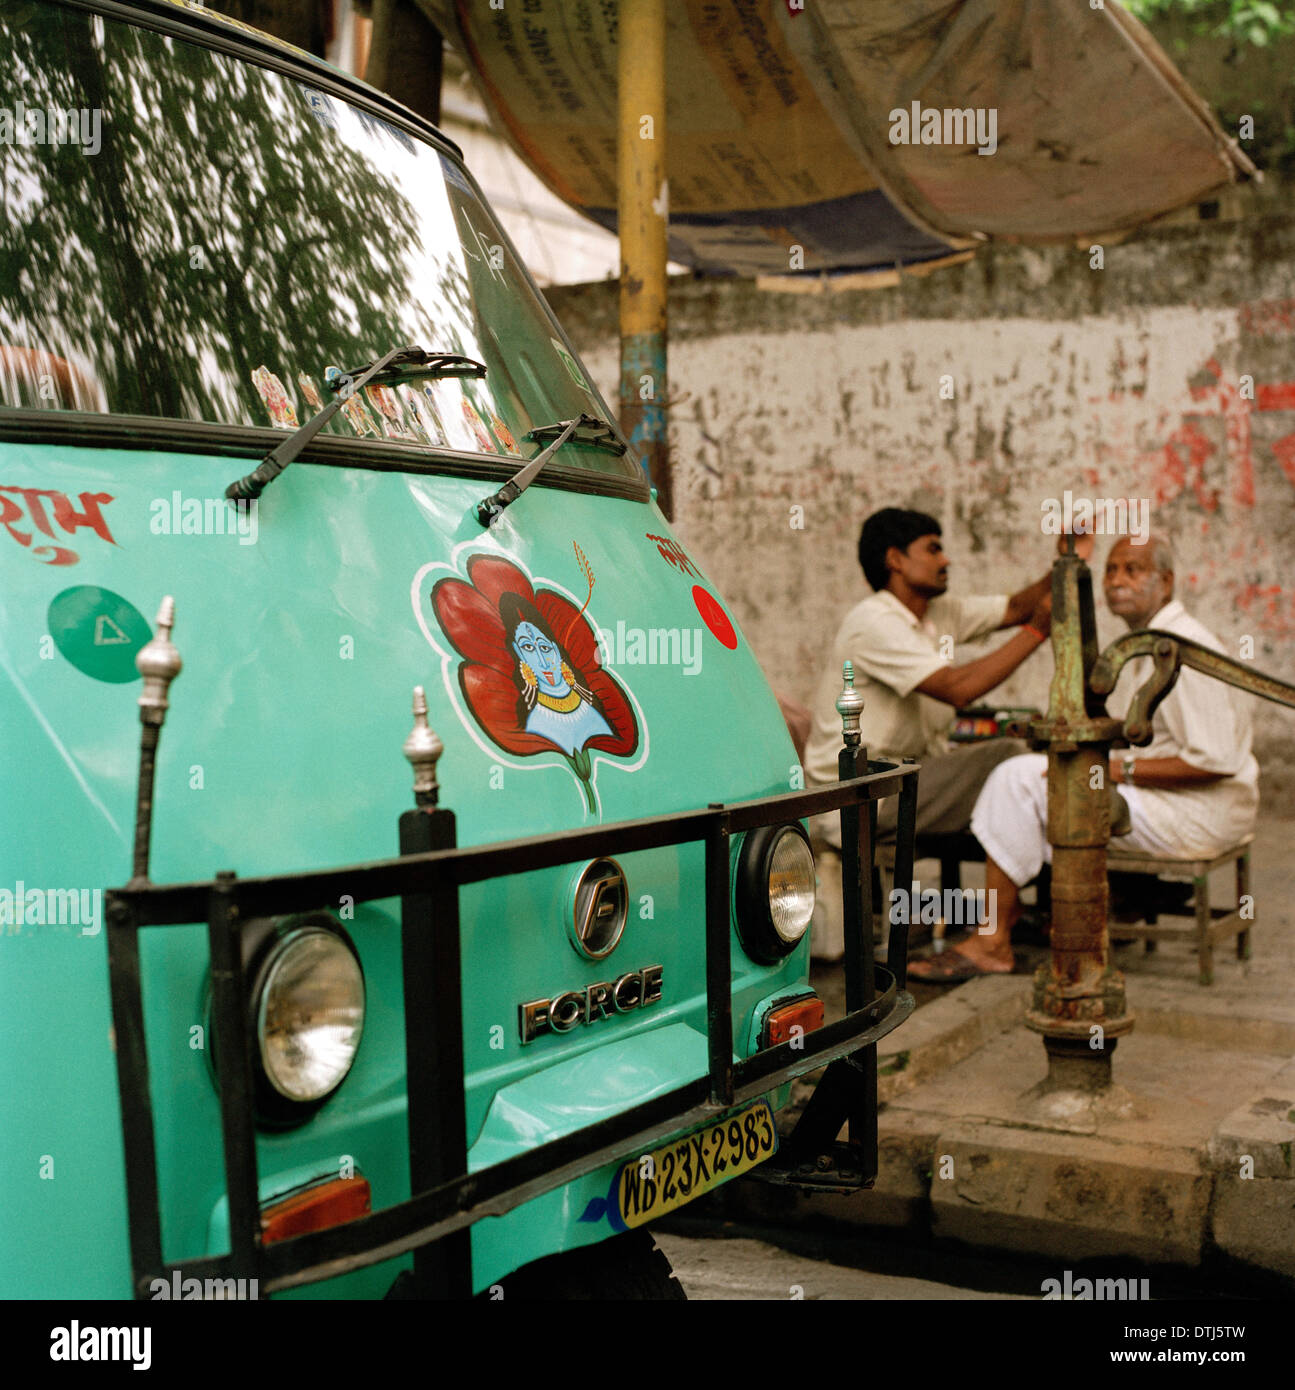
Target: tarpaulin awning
868 133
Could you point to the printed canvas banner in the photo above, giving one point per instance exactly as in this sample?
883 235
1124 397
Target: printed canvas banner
868 133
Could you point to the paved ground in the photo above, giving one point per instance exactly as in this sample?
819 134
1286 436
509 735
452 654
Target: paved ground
1188 1164
741 1268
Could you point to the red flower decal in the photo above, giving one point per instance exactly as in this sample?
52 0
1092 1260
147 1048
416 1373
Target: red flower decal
490 619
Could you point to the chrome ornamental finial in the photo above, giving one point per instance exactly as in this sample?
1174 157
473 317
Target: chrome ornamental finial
159 663
423 749
849 705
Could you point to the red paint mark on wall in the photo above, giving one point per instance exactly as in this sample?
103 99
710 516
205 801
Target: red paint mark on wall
1181 462
1268 318
1174 471
1278 397
1228 402
1284 453
1271 608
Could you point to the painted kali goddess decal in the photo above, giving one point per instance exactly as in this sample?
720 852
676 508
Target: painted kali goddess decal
531 673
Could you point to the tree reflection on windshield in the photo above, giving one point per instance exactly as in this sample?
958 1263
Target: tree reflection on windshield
235 238
217 223
232 239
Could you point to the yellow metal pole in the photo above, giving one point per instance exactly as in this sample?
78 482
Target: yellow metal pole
642 213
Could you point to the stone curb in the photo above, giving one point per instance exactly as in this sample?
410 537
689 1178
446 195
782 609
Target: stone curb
945 1032
1262 1131
1069 1196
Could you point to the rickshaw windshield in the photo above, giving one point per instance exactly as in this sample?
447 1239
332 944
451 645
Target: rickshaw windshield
186 235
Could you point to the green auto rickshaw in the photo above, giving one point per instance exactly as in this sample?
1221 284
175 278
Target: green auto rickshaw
281 409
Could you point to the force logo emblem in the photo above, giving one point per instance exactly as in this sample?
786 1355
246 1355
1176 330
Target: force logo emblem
636 989
601 905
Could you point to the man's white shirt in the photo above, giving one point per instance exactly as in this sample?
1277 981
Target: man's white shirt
893 652
1205 723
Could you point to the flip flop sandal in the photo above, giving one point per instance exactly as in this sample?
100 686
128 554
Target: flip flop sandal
949 968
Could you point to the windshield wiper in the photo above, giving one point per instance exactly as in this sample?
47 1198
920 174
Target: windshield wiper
398 366
599 433
413 364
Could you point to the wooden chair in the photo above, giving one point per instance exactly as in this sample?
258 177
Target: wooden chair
1210 924
1207 926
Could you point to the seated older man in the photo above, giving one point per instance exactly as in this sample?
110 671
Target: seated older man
1192 792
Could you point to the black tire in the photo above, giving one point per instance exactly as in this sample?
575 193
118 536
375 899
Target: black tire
628 1267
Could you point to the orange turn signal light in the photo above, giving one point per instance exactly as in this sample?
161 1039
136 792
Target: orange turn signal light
805 1014
332 1202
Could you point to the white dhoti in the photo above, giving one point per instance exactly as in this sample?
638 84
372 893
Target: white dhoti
1011 818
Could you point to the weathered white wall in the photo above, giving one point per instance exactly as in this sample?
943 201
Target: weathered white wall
1120 382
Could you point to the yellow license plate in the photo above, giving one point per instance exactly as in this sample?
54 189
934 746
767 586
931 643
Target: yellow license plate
668 1177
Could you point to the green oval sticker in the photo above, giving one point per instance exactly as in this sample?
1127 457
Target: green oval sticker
99 632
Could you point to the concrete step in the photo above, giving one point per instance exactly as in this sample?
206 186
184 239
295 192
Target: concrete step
1168 1169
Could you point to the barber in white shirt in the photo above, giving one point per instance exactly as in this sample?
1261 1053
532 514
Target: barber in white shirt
900 640
1192 792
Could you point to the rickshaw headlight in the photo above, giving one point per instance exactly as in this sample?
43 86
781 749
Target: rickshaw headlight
791 886
775 891
309 1014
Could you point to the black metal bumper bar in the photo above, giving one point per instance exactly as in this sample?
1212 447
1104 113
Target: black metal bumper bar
447 1199
165 905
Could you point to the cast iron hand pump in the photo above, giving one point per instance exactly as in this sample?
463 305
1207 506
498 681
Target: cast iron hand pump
1079 1004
